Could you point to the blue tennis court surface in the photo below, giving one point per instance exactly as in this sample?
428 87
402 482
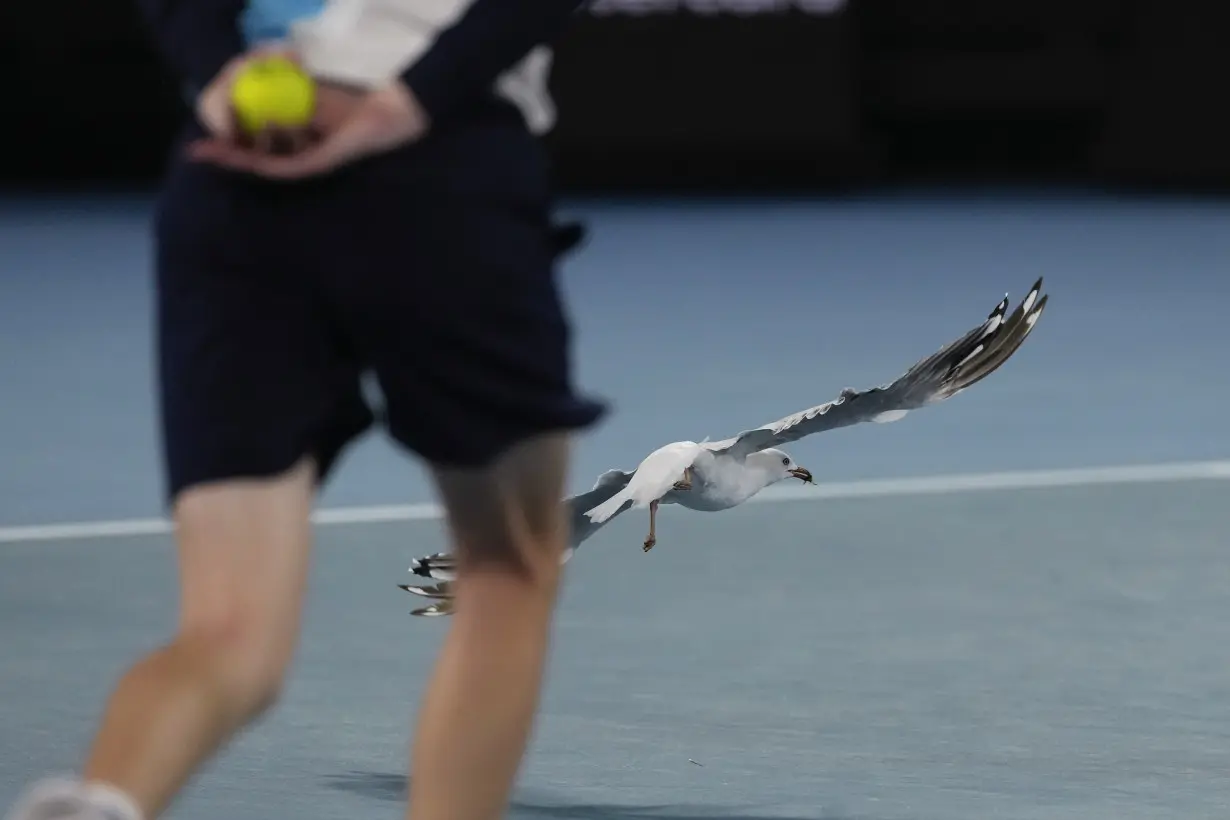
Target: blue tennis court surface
1052 652
1027 654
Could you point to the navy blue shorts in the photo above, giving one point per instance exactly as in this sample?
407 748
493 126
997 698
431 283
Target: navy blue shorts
432 268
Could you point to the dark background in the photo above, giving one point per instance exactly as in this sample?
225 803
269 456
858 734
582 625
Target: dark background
1109 92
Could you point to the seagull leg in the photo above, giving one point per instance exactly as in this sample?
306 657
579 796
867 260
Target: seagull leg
653 517
686 483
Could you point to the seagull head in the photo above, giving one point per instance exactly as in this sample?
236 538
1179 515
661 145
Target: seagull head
779 466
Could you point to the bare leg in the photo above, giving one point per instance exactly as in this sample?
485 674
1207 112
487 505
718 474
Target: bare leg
244 554
653 526
478 711
686 483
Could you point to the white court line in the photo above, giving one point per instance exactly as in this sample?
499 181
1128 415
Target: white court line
879 488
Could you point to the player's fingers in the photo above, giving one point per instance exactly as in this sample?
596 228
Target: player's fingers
209 147
206 149
280 141
232 130
349 142
361 134
311 162
298 140
223 154
263 141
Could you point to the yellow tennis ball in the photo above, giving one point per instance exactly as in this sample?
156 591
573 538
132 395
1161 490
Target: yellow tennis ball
273 92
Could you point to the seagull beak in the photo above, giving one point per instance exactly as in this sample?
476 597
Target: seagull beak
802 474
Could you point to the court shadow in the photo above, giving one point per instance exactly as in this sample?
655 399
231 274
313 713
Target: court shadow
393 787
372 785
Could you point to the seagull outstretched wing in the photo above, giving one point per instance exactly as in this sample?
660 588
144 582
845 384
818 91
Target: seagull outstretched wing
940 376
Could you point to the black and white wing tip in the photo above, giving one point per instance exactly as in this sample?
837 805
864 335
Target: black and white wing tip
442 594
984 350
439 591
436 610
439 566
943 374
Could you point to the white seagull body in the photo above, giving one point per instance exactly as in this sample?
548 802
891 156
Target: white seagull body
709 476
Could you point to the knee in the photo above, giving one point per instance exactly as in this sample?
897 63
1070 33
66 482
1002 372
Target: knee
505 579
243 658
243 566
529 559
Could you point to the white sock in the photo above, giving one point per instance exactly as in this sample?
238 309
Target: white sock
69 798
50 797
115 804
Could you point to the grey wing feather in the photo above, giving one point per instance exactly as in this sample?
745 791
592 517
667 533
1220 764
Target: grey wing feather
609 483
938 377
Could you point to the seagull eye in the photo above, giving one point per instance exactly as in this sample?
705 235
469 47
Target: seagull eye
786 462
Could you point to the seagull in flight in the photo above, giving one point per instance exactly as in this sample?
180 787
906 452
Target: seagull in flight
442 567
717 475
710 476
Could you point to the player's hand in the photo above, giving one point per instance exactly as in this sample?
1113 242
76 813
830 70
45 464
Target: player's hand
213 105
215 111
369 123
